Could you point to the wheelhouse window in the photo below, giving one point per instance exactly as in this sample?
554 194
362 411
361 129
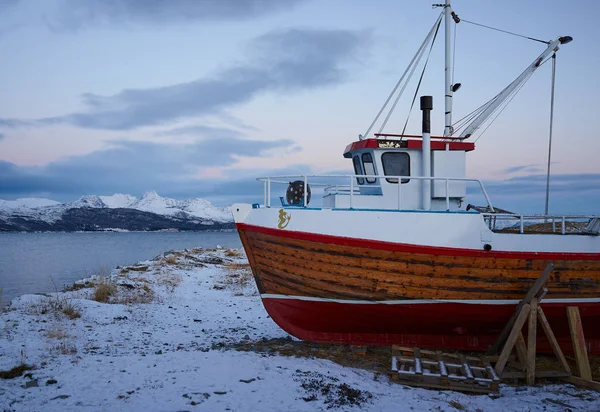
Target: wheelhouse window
396 164
358 170
369 167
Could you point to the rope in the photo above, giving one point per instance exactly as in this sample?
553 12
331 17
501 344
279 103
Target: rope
507 32
421 78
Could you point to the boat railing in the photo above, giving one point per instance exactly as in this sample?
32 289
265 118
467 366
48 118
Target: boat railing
533 223
351 189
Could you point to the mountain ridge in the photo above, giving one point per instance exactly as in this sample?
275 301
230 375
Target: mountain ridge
93 212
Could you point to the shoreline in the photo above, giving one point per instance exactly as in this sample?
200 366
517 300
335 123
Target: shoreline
187 330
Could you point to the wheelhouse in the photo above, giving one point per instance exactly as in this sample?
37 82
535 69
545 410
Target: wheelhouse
401 158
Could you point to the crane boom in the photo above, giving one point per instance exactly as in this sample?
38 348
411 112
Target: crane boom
508 90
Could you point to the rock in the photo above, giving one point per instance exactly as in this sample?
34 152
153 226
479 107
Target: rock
51 382
31 384
158 352
61 397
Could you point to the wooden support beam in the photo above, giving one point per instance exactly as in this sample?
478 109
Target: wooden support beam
583 383
552 339
578 339
533 292
539 374
531 342
521 350
512 338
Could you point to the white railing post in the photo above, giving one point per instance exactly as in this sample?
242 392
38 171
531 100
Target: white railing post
351 191
399 194
268 203
265 192
487 198
447 195
562 225
521 223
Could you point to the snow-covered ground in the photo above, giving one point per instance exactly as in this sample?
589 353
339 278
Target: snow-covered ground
170 339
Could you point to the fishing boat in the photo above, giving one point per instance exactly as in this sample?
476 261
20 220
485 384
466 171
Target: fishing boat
393 253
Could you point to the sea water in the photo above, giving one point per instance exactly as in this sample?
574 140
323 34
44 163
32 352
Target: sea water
45 262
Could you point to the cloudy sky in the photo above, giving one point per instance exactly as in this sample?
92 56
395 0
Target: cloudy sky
197 98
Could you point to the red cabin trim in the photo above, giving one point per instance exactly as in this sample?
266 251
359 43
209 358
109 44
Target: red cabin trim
407 144
417 136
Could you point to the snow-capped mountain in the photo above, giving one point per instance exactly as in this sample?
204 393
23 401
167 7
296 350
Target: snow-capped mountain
49 213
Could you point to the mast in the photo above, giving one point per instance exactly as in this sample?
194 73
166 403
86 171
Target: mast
448 91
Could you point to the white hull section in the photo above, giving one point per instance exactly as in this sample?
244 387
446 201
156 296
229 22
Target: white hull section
457 230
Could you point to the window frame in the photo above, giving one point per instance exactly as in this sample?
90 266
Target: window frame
358 169
385 171
369 180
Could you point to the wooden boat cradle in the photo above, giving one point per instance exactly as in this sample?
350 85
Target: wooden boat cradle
434 369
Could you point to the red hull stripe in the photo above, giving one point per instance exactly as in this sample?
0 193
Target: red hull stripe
406 247
448 325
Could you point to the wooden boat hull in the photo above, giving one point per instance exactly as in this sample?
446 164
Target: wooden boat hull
336 289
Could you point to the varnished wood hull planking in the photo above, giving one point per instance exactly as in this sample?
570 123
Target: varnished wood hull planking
322 267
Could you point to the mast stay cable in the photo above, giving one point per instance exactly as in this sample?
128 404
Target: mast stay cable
419 53
420 80
506 31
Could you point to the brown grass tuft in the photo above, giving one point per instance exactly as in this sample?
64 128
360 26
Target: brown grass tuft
57 333
15 372
71 311
232 253
104 291
66 348
170 260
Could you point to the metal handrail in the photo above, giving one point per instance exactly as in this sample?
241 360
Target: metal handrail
521 218
269 180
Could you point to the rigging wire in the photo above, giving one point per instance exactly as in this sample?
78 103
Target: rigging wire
404 74
514 94
421 78
506 31
504 106
550 137
422 52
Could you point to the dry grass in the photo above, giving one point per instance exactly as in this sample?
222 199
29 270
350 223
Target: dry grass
57 333
15 372
170 260
104 290
134 268
71 310
238 277
232 253
66 348
139 295
79 285
376 358
546 228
